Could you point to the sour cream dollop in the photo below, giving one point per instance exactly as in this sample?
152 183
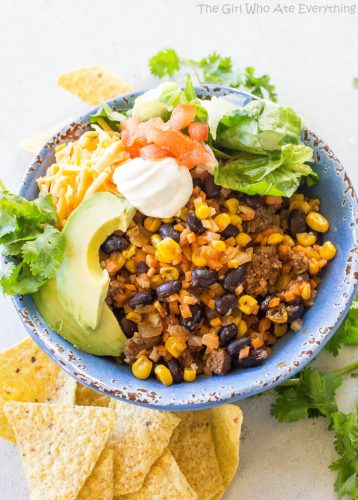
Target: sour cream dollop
157 188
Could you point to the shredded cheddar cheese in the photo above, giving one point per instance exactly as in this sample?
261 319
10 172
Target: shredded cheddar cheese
82 168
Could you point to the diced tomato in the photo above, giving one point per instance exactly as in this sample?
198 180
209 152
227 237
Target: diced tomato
129 130
182 116
199 131
153 151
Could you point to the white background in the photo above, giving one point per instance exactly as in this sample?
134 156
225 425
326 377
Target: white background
311 58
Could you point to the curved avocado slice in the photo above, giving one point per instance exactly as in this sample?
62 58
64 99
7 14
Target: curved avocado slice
107 340
82 283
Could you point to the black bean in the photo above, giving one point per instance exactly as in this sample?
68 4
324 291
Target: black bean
225 303
234 278
294 312
197 182
264 306
115 243
230 231
129 327
255 358
209 187
235 194
255 201
195 224
203 277
236 345
295 302
210 314
196 316
141 299
176 370
227 333
168 231
168 288
297 222
142 267
285 203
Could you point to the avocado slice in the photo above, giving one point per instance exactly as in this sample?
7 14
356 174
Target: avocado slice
81 282
107 340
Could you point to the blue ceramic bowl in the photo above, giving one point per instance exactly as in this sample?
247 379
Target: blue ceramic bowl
290 354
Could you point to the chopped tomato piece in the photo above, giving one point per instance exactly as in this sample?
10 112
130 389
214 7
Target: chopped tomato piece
199 131
129 130
182 116
153 151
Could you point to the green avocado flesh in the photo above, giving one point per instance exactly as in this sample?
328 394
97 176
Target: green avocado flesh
81 282
107 340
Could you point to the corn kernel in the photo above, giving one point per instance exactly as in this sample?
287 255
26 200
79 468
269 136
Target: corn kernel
287 240
169 273
313 266
306 239
283 282
306 292
275 239
231 205
297 197
219 245
222 221
155 281
142 367
168 251
168 220
243 239
175 347
198 259
300 205
155 239
236 220
152 224
203 211
247 304
317 222
241 328
131 266
327 251
163 374
233 263
280 329
129 252
134 316
189 375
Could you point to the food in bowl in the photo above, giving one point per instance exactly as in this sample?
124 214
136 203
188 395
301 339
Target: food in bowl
188 245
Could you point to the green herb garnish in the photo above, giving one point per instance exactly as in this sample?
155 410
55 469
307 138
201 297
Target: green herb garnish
347 333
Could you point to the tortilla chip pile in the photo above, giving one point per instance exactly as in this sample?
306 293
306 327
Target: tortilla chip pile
78 444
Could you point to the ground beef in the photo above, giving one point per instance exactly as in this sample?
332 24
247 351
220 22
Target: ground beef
264 218
297 262
263 272
218 362
114 288
188 358
137 344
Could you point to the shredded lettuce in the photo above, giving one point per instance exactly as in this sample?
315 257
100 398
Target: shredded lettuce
277 174
109 116
217 108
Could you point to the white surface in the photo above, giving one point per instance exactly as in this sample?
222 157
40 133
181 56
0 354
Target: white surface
311 59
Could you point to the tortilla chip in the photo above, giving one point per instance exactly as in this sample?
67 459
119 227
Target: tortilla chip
59 445
193 448
165 480
138 439
93 84
87 397
28 375
99 485
34 144
225 422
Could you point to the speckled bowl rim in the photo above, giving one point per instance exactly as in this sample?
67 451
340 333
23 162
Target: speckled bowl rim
151 393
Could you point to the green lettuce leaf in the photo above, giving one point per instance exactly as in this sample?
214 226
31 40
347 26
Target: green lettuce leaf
108 115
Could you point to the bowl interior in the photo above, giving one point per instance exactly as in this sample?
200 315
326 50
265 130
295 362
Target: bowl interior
290 354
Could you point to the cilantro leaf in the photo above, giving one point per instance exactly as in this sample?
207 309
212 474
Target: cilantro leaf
164 63
17 278
347 333
256 84
314 395
45 253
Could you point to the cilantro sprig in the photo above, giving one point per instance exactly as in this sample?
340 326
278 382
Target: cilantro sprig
28 235
213 69
347 333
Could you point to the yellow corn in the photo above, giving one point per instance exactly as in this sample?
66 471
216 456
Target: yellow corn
152 224
247 304
236 220
317 222
155 281
198 258
119 259
189 375
233 264
129 252
243 239
314 204
306 292
163 374
327 251
275 239
168 251
203 211
306 239
283 282
142 367
280 329
297 197
222 221
313 266
242 328
175 347
287 240
134 316
232 205
301 205
168 220
155 239
131 266
219 245
169 273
